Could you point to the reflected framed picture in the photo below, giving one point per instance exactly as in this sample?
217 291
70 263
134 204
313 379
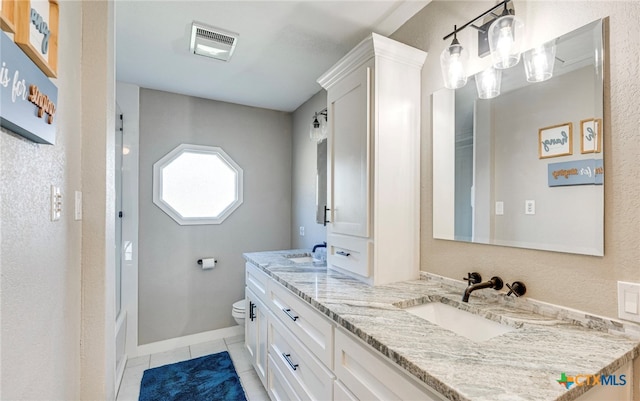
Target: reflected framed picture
591 135
556 140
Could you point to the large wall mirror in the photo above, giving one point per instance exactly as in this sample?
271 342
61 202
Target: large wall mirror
525 168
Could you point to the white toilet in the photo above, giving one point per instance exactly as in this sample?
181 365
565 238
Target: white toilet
238 312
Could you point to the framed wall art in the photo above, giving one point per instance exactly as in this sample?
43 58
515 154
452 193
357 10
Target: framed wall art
591 135
8 15
555 141
37 33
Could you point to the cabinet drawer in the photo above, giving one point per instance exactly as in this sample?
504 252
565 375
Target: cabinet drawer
368 376
304 373
308 325
256 280
278 387
340 392
350 253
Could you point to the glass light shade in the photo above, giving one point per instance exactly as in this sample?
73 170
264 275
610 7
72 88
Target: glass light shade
505 41
453 61
539 62
488 83
318 128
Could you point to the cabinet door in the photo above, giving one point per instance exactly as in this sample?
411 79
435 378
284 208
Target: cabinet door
349 144
256 334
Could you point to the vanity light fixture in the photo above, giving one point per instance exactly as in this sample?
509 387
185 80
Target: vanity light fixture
504 34
505 39
453 60
318 127
488 83
539 62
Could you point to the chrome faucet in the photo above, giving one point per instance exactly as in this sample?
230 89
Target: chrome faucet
495 283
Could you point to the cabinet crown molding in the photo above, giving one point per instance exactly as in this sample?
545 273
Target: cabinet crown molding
374 45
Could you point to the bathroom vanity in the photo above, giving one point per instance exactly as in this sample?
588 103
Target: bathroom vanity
319 334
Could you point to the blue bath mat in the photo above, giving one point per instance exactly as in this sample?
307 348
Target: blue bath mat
210 377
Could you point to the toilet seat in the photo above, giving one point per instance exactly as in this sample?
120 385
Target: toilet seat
239 307
238 311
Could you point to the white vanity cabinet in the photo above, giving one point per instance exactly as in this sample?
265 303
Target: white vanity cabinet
300 354
373 171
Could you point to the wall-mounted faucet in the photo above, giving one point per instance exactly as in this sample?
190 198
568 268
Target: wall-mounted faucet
517 288
495 283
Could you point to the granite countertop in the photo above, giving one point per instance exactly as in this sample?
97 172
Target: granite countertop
523 364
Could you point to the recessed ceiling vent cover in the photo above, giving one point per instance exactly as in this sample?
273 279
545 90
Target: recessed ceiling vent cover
212 42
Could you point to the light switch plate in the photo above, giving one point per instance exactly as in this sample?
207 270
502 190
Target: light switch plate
78 205
499 208
629 301
56 203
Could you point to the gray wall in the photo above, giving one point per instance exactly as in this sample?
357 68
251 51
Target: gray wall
177 297
303 176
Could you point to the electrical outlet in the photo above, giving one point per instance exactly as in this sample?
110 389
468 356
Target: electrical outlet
529 207
629 301
302 231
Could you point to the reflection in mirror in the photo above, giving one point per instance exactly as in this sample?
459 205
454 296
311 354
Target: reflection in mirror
525 169
321 182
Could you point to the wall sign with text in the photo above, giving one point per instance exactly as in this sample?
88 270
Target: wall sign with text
577 172
28 97
37 33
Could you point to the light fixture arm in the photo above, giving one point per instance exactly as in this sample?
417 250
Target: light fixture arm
489 11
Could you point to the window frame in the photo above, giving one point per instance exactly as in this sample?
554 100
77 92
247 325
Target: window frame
166 207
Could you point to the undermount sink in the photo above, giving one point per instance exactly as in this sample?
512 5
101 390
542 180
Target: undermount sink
301 259
474 327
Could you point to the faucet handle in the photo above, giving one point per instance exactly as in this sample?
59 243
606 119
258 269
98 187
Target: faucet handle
517 288
473 278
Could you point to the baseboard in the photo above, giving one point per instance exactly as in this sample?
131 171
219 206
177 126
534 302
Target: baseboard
173 343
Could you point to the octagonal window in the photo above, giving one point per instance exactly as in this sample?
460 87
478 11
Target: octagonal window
197 184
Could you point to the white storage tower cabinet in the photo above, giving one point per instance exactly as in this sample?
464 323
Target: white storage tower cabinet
373 176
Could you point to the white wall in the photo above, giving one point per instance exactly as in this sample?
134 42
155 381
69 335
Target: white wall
98 185
303 176
39 259
582 282
176 297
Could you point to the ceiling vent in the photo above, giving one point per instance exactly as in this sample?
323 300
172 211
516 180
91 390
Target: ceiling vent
212 42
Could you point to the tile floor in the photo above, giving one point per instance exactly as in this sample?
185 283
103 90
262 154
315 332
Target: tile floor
130 386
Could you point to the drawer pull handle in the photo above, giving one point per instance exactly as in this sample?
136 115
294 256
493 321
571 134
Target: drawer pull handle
251 314
343 253
287 357
288 312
